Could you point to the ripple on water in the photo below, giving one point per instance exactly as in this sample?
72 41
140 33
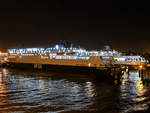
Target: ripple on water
26 93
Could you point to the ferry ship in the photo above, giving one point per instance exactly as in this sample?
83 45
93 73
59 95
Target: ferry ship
66 59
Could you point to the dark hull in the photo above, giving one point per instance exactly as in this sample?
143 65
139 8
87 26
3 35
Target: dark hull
100 73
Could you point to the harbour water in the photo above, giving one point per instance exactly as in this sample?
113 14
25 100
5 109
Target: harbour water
23 91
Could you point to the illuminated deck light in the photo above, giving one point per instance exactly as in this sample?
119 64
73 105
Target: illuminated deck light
57 47
89 64
140 66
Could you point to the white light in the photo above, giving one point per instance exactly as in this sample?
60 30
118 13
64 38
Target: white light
57 47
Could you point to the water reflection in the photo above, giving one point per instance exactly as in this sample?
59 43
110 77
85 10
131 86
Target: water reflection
90 90
133 93
44 93
23 92
3 89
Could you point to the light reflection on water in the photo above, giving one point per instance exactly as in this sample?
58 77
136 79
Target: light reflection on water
21 91
134 93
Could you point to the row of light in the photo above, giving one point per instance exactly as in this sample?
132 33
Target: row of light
70 57
130 59
60 48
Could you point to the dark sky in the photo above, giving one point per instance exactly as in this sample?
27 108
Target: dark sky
90 24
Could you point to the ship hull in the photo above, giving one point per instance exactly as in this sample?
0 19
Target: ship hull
98 73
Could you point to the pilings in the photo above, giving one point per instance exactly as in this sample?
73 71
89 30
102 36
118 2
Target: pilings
141 73
140 69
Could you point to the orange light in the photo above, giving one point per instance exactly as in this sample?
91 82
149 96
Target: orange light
140 66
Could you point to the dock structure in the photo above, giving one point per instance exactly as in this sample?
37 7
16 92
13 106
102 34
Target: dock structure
131 62
137 63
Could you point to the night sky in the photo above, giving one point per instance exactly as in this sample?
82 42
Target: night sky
90 24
